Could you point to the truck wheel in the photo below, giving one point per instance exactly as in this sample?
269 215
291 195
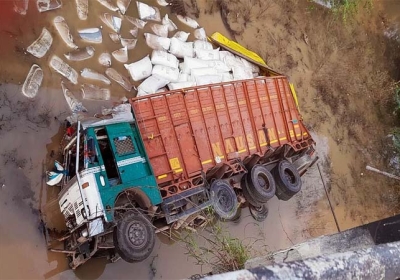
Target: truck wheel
134 237
261 183
247 194
288 180
259 213
224 200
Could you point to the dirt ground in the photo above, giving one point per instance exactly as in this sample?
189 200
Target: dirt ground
343 73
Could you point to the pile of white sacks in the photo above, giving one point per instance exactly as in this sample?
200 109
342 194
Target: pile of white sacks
176 63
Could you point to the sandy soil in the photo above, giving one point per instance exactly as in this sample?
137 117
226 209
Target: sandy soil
342 73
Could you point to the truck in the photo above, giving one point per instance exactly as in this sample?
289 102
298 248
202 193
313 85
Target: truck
175 154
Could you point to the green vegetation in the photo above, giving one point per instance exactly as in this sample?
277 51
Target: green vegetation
348 9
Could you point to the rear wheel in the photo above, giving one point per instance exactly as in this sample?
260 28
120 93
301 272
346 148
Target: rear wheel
249 196
288 180
224 200
261 183
134 237
259 213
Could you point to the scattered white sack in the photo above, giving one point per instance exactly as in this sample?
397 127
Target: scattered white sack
58 65
164 58
199 44
181 49
123 5
242 73
174 86
156 42
227 77
160 29
151 85
168 73
140 69
191 63
181 35
254 68
163 3
203 71
147 12
188 21
33 81
93 92
112 21
92 35
168 22
134 32
207 54
129 43
218 65
136 22
121 54
105 59
208 79
183 77
41 45
200 34
224 54
232 61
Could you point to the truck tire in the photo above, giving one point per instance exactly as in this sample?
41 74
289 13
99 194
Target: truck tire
259 213
247 194
224 200
288 180
134 237
261 183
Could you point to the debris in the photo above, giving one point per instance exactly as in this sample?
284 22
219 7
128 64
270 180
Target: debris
383 173
140 69
93 75
305 38
200 34
92 35
136 22
147 12
80 54
105 59
160 29
112 21
164 58
118 78
129 43
114 37
156 42
73 103
108 4
134 32
151 85
33 81
41 45
171 25
123 5
93 92
121 55
48 5
163 3
64 69
21 6
82 7
181 49
181 35
63 29
188 21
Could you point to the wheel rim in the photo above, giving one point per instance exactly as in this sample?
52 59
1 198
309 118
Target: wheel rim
263 181
225 200
137 234
290 177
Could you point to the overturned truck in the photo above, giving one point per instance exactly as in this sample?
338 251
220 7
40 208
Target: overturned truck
178 153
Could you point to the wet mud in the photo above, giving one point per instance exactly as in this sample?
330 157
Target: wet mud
339 98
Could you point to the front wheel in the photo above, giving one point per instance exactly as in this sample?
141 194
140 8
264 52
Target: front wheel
224 200
134 237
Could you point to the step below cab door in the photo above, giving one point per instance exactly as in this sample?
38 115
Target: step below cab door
129 158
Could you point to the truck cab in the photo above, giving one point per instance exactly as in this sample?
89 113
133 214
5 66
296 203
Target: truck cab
107 174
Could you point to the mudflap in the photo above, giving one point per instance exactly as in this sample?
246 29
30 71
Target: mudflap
170 204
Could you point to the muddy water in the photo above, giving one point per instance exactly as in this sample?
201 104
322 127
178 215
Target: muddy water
27 142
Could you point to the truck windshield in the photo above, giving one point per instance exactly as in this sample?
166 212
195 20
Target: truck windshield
70 154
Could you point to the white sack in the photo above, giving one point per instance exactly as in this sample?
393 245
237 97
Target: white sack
181 49
164 58
140 69
168 73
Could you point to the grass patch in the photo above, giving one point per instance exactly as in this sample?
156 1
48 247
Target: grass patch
347 10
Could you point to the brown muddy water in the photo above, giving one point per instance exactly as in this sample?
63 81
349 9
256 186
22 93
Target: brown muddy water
29 140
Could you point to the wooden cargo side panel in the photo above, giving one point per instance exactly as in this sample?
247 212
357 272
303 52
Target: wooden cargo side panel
148 127
199 128
183 134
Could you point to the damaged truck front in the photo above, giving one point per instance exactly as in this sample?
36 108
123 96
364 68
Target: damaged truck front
174 154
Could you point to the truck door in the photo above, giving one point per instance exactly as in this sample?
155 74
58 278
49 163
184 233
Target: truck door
131 162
